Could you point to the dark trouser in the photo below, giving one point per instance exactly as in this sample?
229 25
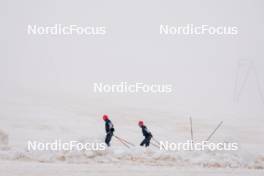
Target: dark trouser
108 138
146 141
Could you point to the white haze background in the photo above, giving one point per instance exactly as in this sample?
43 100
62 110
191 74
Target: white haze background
46 87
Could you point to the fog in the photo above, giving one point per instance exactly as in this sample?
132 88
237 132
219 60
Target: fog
209 74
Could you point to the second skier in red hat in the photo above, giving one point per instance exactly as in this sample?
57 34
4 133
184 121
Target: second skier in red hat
109 129
146 133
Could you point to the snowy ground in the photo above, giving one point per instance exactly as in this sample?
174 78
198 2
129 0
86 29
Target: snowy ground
45 120
43 169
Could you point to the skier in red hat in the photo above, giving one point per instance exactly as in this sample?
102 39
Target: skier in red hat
109 129
146 133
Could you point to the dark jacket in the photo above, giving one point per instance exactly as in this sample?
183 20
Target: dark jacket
109 127
146 132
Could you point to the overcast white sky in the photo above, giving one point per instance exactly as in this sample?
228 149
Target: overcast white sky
202 69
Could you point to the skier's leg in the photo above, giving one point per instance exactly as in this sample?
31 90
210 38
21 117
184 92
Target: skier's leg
143 142
148 141
108 138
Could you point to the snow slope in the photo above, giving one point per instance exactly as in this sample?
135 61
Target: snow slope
29 119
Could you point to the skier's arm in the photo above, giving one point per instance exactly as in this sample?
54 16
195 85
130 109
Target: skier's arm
111 127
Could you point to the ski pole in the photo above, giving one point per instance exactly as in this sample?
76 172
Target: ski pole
155 145
191 129
158 143
218 126
122 142
125 141
156 140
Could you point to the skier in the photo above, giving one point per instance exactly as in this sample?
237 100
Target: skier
146 133
109 129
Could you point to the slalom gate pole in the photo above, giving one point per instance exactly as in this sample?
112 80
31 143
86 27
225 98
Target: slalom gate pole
122 142
191 129
125 141
218 126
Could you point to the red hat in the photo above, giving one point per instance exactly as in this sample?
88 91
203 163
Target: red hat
105 117
140 123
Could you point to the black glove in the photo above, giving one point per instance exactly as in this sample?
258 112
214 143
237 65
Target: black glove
112 129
